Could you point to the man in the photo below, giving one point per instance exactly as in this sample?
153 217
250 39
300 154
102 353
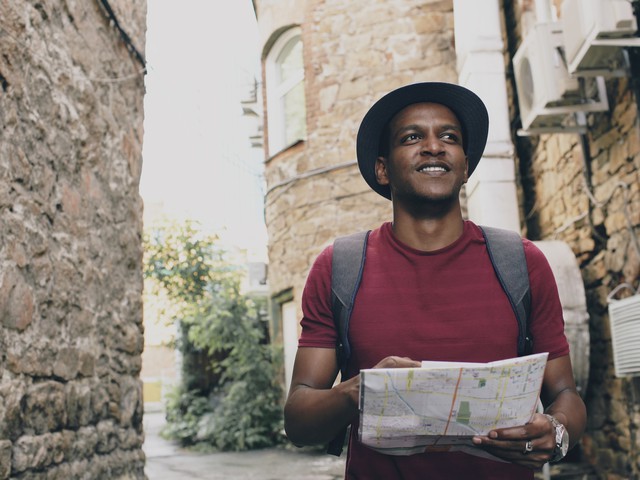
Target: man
429 292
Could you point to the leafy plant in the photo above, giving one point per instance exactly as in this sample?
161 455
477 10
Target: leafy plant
230 397
185 409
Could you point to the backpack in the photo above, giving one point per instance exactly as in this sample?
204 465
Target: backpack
349 252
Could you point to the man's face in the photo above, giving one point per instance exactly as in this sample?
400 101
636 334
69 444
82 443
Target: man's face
426 161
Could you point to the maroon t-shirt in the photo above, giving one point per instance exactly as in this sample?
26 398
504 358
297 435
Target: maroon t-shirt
440 305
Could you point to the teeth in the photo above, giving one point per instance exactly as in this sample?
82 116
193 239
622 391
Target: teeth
432 169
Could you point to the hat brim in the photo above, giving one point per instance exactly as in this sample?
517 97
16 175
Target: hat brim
465 104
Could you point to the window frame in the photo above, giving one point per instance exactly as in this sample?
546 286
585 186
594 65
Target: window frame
276 115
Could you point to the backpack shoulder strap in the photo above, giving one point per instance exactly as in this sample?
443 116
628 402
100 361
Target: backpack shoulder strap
509 262
347 264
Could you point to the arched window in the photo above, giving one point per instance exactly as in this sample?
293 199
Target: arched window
286 108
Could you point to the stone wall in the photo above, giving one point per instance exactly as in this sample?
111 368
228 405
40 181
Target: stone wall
586 192
591 200
71 117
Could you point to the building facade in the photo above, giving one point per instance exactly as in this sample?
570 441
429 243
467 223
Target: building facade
561 164
71 112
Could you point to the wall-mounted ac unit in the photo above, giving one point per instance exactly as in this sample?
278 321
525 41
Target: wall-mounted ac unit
624 318
547 94
595 33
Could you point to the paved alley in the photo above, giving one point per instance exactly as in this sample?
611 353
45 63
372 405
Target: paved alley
167 461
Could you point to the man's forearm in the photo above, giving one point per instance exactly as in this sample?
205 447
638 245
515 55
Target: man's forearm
313 416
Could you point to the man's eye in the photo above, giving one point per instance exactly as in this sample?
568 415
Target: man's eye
410 138
450 136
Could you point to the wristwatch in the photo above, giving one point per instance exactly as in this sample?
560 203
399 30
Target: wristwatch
562 439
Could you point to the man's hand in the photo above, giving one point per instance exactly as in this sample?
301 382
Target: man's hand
561 400
529 445
315 412
353 384
397 362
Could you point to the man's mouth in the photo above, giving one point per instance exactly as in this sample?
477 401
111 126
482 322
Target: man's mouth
433 169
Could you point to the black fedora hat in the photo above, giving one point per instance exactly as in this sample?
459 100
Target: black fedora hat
465 104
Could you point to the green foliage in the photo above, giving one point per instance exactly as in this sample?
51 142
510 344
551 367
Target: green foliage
230 397
185 409
249 413
186 263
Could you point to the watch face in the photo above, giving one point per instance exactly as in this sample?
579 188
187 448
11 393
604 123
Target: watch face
564 441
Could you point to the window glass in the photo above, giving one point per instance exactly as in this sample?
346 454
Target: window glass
285 89
295 114
289 62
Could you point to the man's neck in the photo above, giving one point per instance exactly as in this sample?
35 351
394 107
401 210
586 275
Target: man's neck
427 233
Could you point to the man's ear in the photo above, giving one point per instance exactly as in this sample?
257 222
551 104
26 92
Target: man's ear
381 171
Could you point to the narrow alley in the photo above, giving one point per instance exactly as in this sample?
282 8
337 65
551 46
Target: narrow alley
167 461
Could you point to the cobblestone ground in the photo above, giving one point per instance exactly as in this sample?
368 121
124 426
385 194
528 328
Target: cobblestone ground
166 461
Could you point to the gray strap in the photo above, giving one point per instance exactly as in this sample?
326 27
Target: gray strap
346 272
347 265
510 264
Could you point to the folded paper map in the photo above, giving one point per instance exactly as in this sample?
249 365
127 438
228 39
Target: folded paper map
442 405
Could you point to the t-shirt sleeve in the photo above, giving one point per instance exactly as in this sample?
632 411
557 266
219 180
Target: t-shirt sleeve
318 329
546 320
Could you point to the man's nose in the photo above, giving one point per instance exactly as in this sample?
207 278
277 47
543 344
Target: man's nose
431 145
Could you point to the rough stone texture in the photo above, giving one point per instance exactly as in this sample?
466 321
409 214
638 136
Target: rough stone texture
71 116
603 233
356 51
591 200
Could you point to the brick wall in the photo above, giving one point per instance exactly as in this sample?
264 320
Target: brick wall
560 179
70 251
586 192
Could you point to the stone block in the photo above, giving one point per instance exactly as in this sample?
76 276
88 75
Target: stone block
38 451
44 407
78 404
6 449
327 97
633 142
618 411
67 363
26 359
615 221
631 269
433 22
17 303
87 364
131 401
618 156
84 443
625 114
11 417
107 437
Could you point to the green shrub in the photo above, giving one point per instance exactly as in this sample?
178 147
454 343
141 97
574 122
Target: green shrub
230 396
184 410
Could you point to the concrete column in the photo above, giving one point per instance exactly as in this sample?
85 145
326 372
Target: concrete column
491 191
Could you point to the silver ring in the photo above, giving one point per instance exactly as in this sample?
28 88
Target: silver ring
528 447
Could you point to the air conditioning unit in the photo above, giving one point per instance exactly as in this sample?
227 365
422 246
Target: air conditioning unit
547 94
595 33
624 319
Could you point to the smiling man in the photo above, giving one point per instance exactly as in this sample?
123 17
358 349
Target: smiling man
429 292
